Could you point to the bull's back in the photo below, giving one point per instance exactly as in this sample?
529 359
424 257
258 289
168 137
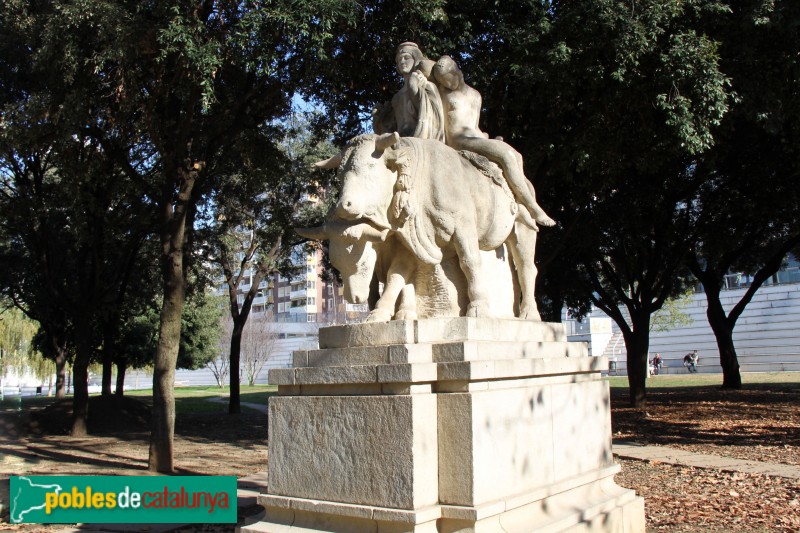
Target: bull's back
460 196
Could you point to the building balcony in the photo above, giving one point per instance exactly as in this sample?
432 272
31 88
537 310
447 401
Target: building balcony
300 293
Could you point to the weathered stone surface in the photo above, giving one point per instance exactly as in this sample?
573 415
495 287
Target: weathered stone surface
494 444
438 330
518 368
581 427
368 450
364 355
410 353
593 505
414 373
492 350
487 329
368 334
336 375
281 376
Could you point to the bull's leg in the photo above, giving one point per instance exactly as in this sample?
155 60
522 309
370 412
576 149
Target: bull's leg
469 257
400 272
407 308
522 243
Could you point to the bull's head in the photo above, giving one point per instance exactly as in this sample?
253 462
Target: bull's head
352 252
367 179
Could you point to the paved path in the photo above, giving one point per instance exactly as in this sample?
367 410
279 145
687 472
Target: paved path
250 487
674 456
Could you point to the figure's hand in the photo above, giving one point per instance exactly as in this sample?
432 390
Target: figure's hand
354 232
416 81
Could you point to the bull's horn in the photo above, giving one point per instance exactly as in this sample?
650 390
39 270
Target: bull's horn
386 140
331 162
318 234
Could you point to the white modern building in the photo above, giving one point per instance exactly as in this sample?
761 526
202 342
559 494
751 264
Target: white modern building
766 336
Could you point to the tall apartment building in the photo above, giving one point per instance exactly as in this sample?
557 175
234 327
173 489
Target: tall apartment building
303 296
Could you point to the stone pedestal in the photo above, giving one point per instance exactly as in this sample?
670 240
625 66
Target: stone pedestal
444 425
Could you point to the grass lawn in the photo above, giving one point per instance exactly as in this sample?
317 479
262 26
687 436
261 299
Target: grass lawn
750 380
203 399
187 399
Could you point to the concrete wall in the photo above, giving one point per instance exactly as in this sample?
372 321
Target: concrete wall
767 336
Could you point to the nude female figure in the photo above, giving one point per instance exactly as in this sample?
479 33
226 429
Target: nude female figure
462 108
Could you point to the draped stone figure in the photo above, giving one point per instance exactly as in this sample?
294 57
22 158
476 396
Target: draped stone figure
416 109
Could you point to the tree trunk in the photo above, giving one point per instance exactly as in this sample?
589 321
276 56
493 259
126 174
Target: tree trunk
234 404
723 332
122 367
108 367
58 346
637 344
110 328
169 334
80 377
174 218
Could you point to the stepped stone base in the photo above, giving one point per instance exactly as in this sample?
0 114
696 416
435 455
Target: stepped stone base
444 425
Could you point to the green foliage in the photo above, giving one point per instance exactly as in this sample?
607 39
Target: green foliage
672 314
16 341
200 331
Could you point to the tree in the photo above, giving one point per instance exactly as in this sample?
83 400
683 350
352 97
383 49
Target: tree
259 344
251 235
200 335
76 223
186 81
611 105
220 366
136 344
747 211
16 336
200 330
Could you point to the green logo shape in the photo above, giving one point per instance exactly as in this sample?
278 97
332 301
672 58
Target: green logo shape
123 499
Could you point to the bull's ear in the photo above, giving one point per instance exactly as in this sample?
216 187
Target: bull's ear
386 140
331 162
318 234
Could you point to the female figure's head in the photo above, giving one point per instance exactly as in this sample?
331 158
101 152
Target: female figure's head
447 73
407 57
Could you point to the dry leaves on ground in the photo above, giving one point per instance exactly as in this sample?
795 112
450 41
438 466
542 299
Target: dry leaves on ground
684 499
757 425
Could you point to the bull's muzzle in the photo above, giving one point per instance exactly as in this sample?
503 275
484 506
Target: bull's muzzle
349 209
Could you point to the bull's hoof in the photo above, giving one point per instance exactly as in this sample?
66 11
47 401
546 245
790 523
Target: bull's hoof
478 309
532 313
379 315
405 315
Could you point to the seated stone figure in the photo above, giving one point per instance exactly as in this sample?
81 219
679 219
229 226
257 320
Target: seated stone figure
462 107
416 109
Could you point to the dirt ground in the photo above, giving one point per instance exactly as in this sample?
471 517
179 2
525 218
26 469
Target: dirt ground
760 424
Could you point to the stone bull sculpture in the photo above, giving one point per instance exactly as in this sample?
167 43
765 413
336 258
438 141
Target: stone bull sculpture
414 202
361 254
